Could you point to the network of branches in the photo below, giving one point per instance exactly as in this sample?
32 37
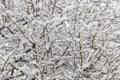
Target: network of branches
59 39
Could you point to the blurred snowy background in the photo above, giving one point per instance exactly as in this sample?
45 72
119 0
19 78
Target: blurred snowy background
59 39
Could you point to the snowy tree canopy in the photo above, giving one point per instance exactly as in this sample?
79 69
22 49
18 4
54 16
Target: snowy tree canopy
59 39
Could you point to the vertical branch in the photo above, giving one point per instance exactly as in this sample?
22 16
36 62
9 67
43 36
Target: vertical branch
33 7
4 3
54 6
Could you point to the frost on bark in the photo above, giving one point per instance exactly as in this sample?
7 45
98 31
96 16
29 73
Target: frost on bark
59 39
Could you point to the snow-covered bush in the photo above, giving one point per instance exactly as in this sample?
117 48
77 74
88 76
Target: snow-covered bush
59 39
